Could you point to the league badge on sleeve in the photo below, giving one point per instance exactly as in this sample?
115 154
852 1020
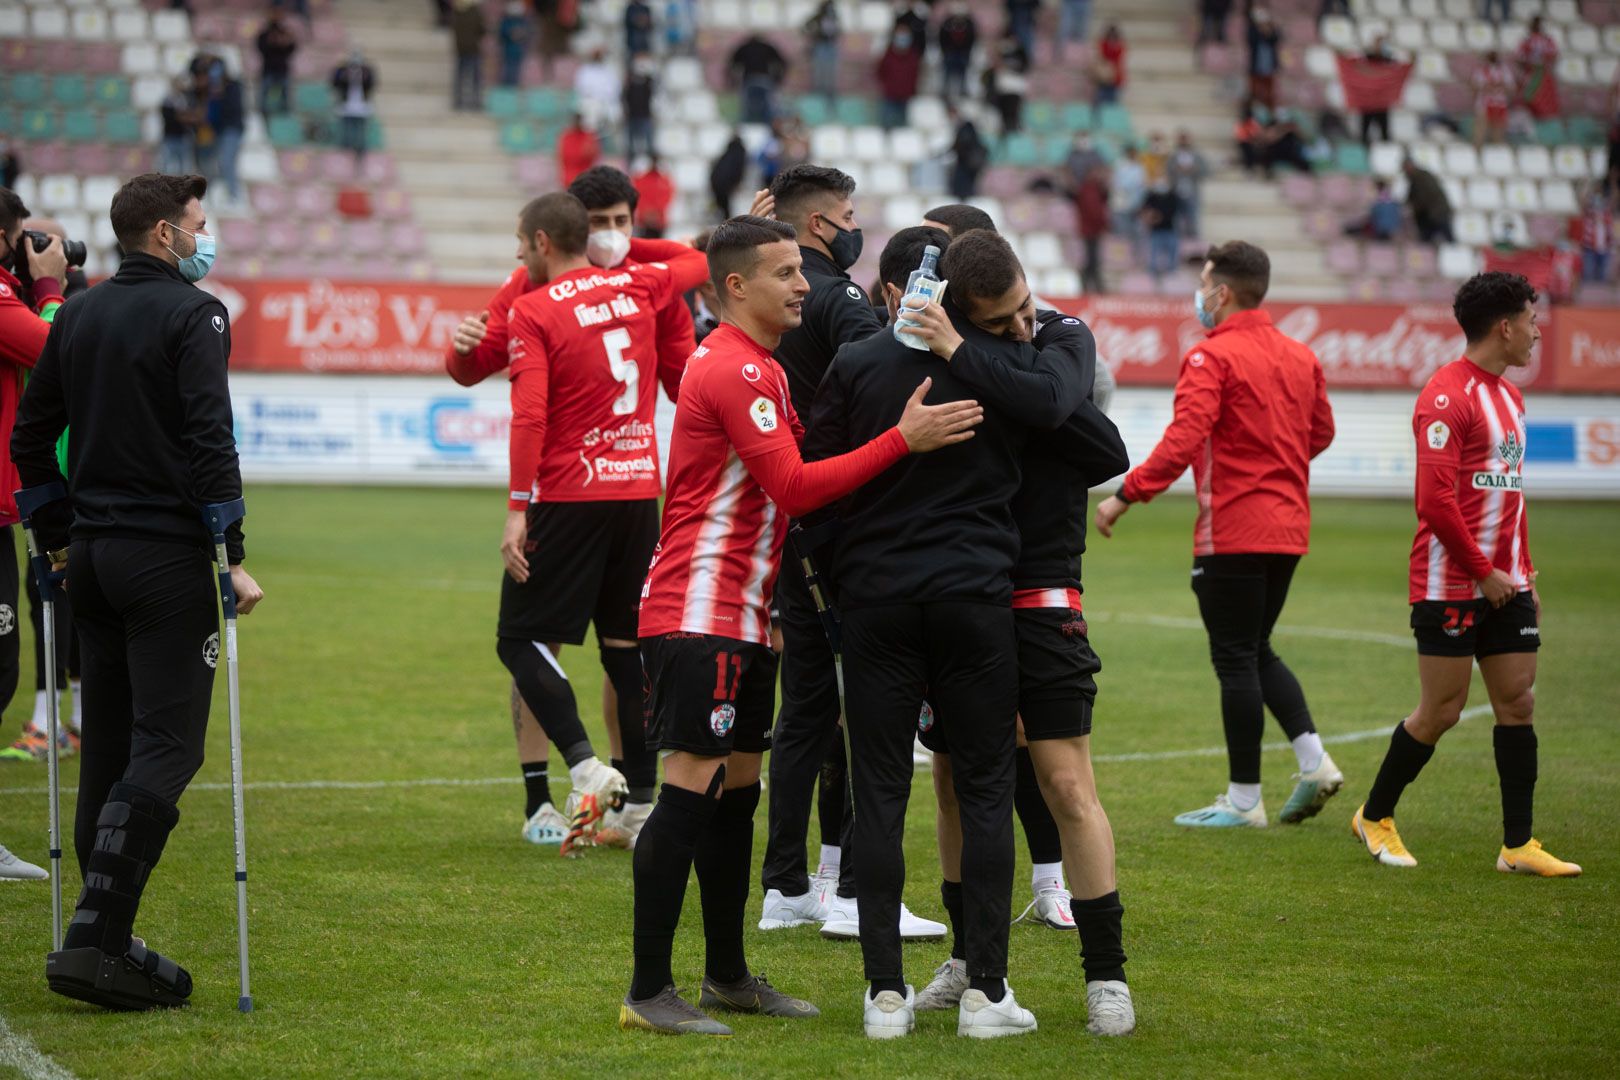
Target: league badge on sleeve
1439 435
763 413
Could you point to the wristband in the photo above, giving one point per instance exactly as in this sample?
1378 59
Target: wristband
1121 496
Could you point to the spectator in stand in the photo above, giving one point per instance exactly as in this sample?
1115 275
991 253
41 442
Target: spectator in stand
224 115
1383 218
1021 16
726 174
1431 209
467 32
559 19
912 17
514 33
1074 24
1188 169
757 69
577 150
1159 216
771 152
1538 60
1082 160
1495 11
1006 81
639 90
898 70
1212 20
680 25
1091 208
1250 136
1108 73
655 193
822 31
177 153
353 83
969 156
1333 7
276 43
10 164
1265 57
1611 180
1126 197
1156 158
1284 144
638 27
1378 52
958 34
441 12
1597 237
599 92
1493 89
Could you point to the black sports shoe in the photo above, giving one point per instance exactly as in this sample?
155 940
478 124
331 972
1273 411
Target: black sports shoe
667 1013
754 994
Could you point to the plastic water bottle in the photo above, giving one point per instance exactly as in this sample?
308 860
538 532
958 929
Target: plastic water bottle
924 282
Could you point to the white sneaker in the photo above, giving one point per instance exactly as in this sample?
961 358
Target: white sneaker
843 919
945 991
1052 906
916 928
547 826
1312 790
889 1016
15 869
592 777
782 912
978 1017
824 885
620 828
1221 814
1109 1008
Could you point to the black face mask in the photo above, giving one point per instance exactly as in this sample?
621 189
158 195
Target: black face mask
845 248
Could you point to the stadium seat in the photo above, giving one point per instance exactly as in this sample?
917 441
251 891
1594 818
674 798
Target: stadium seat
69 91
1611 39
130 26
286 131
812 110
314 201
1420 260
59 193
1479 36
110 91
1062 282
1471 227
269 200
690 174
316 97
502 102
1461 160
1040 116
1458 262
26 88
1572 70
1563 11
682 73
547 103
1585 130
1535 162
80 125
13 23
829 144
1427 10
48 23
141 58
90 24
855 112
1498 161
323 237
1484 194
37 124
1385 159
1522 195
1446 36
903 212
906 146
173 27
1509 228
1380 260
1018 150
1585 39
1558 197
1550 132
868 144
699 107
1115 120
1351 157
1409 34
1339 33
886 179
1344 257
928 116
406 239
121 126
1041 251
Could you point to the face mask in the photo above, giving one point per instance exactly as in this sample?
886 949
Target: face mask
607 247
1205 317
195 267
845 248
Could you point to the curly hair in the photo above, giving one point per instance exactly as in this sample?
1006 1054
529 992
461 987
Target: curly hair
1486 299
602 186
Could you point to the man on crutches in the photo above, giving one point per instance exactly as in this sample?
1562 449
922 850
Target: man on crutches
137 368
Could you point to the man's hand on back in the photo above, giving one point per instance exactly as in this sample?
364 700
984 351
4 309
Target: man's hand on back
929 427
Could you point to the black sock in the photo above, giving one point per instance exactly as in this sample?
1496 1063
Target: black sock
622 665
724 853
1516 769
1102 948
1403 762
1040 828
660 867
994 989
536 786
880 985
951 893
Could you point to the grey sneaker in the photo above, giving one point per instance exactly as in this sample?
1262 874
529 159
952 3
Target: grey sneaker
754 994
1109 1009
667 1013
950 982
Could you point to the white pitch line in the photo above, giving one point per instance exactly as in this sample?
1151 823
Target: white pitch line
17 1051
1333 633
499 781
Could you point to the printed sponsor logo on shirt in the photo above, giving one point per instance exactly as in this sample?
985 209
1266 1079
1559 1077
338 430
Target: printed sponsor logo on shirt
1439 435
854 292
751 372
1499 481
1510 449
763 413
219 324
721 720
1441 401
572 287
1196 359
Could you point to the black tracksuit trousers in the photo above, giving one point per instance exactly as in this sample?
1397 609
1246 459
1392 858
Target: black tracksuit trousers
963 657
148 624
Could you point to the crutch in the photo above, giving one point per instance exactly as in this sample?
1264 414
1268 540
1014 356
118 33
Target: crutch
219 517
49 581
805 542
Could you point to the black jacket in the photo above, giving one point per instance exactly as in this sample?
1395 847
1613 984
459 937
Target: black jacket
137 368
935 526
835 313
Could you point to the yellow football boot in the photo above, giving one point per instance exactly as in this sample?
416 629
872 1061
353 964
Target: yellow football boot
1532 858
1383 842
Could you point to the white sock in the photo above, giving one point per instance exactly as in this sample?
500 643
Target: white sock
1046 875
39 721
832 858
1308 750
76 718
1243 796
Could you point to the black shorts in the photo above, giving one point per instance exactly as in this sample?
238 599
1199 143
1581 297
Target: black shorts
709 695
1474 628
587 563
1055 685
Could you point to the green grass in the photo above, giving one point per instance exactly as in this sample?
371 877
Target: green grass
407 931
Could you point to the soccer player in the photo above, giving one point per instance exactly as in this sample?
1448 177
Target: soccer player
583 512
478 350
1473 586
735 474
1055 659
1251 411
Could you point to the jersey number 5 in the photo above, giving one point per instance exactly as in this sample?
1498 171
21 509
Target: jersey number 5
624 369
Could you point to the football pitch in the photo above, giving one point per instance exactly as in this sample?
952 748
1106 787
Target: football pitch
401 928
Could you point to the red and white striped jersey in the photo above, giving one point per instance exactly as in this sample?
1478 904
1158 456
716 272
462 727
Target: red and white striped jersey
1469 426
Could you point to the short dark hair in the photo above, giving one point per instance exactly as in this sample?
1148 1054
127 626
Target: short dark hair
1486 299
959 217
561 217
734 245
700 242
12 209
904 252
602 186
980 265
147 199
793 187
1243 268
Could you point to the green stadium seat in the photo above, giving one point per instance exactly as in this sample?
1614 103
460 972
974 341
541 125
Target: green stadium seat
1040 116
81 125
286 132
374 135
1551 132
110 92
10 122
812 109
1351 157
1586 130
856 112
312 97
38 124
1115 120
730 108
121 126
547 103
1077 116
1055 149
69 90
1019 149
501 102
519 137
26 88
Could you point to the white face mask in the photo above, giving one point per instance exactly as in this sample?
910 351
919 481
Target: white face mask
607 248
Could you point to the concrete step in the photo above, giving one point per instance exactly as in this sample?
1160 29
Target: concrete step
474 137
439 176
484 212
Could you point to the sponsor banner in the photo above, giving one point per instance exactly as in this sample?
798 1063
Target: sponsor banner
1587 344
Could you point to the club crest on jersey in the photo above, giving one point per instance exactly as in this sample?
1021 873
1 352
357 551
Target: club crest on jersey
925 718
1441 401
1196 359
763 413
1511 450
751 372
1439 435
721 718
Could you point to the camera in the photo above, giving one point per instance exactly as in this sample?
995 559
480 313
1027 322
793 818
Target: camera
73 249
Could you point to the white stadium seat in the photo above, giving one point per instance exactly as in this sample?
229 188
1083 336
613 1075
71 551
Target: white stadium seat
1498 161
874 18
699 107
171 26
1558 197
26 188
1509 35
1446 36
1319 62
258 164
59 193
1603 69
1408 34
907 145
177 56
712 140
754 137
868 144
1418 96
829 143
1060 282
1428 156
1479 36
13 22
990 205
1522 195
48 23
1484 194
902 212
1611 39
1041 251
1597 161
1570 163
131 26
1525 10
1389 9
1458 262
141 58
1535 162
1386 158
1405 126
1563 11
885 179
723 14
101 231
682 73
928 116
1432 65
1370 30
1460 9
762 15
671 140
1456 193
1585 39
1462 161
690 174
1339 33
90 25
1471 227
1427 10
1573 70
98 193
